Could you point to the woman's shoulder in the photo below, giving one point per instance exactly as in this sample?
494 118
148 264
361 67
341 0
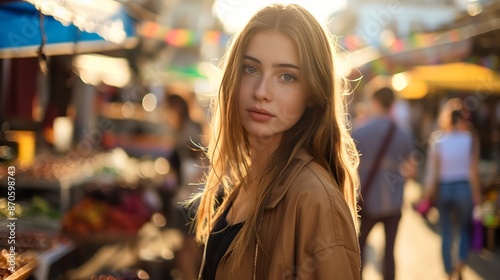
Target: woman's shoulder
315 181
314 193
306 182
445 136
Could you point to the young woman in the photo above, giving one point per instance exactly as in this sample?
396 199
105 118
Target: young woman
279 200
453 175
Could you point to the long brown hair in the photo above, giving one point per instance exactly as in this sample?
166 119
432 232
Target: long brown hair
322 130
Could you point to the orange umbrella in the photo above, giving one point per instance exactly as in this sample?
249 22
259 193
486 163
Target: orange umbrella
414 83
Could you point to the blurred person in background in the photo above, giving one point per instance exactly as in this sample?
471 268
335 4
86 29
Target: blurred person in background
182 151
187 137
280 195
384 168
453 180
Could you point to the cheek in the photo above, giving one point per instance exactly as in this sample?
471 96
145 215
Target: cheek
245 86
293 108
245 93
297 104
241 99
242 102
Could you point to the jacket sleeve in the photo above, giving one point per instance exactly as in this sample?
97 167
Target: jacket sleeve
327 244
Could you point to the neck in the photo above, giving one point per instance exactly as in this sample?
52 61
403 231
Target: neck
380 113
261 150
460 126
377 110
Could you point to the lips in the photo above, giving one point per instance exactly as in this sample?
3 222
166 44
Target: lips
260 111
260 115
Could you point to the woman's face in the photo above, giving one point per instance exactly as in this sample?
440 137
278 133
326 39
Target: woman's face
272 93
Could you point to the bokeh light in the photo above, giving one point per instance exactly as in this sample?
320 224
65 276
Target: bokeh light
234 14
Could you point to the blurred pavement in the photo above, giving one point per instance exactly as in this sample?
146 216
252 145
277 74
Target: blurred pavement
418 248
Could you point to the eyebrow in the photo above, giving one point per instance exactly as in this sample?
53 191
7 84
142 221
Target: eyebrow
274 65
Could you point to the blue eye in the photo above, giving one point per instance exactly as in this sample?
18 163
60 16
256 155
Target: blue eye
288 77
249 69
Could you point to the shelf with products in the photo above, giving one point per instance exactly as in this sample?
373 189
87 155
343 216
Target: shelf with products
112 185
37 242
138 132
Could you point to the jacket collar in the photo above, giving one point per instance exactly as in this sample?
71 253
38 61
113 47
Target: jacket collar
278 192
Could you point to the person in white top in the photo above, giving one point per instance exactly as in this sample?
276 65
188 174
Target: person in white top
453 178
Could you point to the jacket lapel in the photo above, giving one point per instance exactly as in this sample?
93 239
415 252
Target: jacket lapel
279 191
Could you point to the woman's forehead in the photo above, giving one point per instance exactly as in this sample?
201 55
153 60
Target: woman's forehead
272 45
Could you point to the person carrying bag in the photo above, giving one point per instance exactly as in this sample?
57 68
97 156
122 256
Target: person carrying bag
384 148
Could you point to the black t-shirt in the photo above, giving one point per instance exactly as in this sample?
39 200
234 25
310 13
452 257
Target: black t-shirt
221 237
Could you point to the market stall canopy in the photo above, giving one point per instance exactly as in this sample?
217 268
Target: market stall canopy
414 83
66 27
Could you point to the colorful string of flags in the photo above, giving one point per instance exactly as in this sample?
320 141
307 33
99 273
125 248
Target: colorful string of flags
426 40
416 40
188 38
421 41
182 37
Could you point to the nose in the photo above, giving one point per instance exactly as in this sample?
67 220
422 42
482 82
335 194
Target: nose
264 89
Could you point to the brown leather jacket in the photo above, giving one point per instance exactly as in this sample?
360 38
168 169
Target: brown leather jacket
306 231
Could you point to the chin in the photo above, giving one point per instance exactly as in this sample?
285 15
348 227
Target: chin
260 134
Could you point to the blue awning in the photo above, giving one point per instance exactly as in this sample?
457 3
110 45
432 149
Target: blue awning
21 35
